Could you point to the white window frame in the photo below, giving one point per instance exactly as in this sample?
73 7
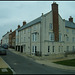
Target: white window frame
73 48
67 39
34 36
73 39
53 49
60 37
51 36
33 49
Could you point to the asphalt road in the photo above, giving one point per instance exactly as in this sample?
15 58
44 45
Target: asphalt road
22 65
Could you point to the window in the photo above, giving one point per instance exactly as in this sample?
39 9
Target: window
73 39
67 39
34 36
60 37
53 48
67 30
34 27
48 48
67 48
51 36
50 26
34 49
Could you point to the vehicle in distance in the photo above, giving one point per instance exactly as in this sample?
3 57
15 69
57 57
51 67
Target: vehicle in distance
5 46
3 51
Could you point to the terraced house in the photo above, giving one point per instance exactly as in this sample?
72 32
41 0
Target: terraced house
5 38
47 34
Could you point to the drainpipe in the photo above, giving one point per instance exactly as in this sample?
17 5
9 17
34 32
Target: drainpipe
40 35
20 41
30 40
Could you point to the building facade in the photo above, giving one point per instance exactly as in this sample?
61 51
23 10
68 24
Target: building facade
5 38
46 35
12 39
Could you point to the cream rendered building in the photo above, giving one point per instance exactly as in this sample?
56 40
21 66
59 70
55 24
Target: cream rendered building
5 38
48 34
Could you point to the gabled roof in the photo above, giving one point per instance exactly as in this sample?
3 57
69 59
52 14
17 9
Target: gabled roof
38 20
69 24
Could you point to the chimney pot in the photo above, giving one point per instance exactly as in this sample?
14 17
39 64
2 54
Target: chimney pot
24 22
42 14
71 19
11 30
18 26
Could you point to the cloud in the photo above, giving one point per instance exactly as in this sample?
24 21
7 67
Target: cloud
13 13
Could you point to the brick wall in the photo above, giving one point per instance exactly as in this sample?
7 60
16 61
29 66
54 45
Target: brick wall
55 21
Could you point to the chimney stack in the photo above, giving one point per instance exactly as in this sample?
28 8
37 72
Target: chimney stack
55 21
24 22
71 19
11 30
18 26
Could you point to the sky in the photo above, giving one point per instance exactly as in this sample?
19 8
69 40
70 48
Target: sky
13 13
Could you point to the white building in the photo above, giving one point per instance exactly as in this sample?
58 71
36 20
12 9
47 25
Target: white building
5 38
48 34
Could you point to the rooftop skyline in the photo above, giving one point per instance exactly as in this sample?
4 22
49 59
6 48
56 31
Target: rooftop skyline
13 13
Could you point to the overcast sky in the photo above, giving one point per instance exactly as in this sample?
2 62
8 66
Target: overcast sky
13 13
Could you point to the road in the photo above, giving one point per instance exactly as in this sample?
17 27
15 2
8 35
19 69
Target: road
22 65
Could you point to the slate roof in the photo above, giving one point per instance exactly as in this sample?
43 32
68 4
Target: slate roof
38 20
69 24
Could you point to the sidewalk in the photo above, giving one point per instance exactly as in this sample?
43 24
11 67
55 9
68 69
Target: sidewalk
4 65
47 62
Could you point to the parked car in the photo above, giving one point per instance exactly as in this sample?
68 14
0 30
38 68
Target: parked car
5 46
3 51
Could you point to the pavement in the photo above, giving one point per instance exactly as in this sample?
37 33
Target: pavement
40 60
3 64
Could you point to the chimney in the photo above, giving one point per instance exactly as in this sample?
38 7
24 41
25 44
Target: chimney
11 30
24 22
18 26
55 21
71 19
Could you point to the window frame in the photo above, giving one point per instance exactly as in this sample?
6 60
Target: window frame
51 36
